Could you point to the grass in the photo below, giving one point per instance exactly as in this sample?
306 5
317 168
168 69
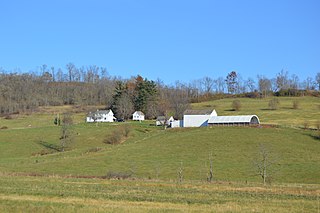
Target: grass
153 157
46 194
286 115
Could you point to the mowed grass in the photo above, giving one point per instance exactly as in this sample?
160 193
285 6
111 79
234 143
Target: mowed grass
308 110
56 194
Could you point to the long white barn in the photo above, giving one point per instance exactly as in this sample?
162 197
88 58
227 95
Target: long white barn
234 120
200 118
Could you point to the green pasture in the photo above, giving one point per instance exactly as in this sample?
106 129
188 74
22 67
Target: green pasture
151 152
152 157
308 110
57 194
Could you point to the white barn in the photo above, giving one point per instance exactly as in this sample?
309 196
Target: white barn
197 118
239 120
138 116
101 116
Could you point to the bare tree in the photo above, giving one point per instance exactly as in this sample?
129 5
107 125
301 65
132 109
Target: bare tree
124 106
210 172
250 84
264 85
66 131
180 173
207 83
265 164
282 80
220 85
318 80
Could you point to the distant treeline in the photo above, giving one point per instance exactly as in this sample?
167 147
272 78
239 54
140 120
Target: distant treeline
91 85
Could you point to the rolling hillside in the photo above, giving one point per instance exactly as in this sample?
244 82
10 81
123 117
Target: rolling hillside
151 152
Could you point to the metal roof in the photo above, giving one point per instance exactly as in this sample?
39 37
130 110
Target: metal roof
232 119
198 112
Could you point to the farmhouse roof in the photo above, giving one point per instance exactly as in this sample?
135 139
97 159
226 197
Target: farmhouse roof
139 113
198 112
99 112
161 118
232 119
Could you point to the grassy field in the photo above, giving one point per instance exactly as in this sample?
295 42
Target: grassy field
55 194
308 110
153 154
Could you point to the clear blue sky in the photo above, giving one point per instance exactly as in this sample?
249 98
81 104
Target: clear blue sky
166 39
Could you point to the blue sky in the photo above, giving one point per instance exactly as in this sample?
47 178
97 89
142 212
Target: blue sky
167 39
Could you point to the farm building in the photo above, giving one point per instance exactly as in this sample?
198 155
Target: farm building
100 116
161 120
138 116
240 120
197 118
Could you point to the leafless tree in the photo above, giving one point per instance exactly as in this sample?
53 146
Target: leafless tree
207 83
210 172
124 106
265 164
318 80
264 85
282 80
66 131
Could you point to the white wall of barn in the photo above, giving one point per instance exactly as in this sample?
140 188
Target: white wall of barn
195 120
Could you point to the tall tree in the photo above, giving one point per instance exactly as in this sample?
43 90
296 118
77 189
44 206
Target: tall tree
264 85
66 131
318 80
232 81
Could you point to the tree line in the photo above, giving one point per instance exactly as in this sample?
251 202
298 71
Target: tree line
92 85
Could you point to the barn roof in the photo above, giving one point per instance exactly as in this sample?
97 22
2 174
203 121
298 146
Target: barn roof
232 119
198 112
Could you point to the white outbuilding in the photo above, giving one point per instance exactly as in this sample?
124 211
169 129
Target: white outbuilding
239 120
100 116
138 116
197 118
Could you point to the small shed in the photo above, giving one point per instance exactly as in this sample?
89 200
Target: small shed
240 120
138 116
161 120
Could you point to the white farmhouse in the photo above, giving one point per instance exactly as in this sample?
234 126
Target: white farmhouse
101 116
138 116
197 118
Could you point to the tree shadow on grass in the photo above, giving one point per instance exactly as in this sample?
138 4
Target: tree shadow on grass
229 110
52 147
313 136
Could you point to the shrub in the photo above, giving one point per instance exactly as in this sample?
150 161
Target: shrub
295 104
114 138
305 124
318 125
94 149
4 127
236 105
274 104
126 130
